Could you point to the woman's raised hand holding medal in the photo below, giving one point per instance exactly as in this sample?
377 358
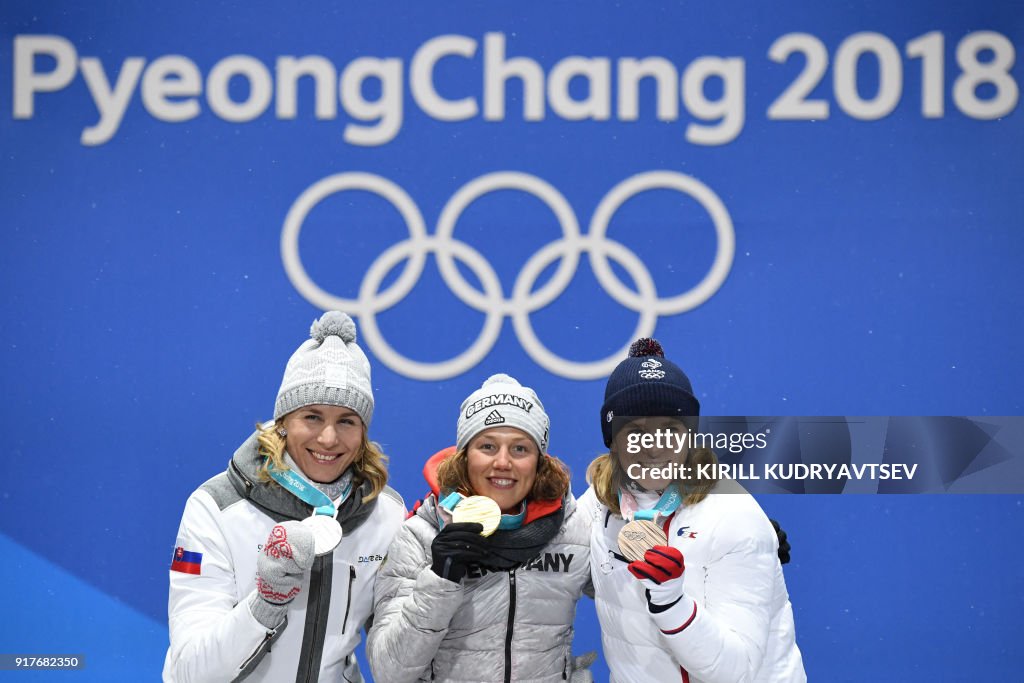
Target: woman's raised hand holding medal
661 572
456 546
287 556
463 541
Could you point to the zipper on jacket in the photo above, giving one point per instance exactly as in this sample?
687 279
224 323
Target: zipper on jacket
348 603
346 663
310 674
565 667
511 622
264 644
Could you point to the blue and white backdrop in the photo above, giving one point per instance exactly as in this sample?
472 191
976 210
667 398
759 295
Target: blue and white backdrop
815 207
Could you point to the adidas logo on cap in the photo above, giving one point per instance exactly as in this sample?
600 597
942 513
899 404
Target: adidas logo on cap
494 418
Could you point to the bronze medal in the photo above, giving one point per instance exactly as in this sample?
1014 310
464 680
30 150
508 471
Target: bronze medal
639 536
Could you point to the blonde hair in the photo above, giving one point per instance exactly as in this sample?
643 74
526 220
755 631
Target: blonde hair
606 475
552 480
370 465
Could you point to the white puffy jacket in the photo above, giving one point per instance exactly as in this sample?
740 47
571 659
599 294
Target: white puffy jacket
214 636
742 631
493 626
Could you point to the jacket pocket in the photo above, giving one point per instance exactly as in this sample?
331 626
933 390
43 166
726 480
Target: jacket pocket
348 597
351 672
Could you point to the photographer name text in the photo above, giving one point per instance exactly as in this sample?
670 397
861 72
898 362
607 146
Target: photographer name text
774 471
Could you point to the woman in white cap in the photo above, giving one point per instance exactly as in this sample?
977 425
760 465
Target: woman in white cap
705 600
275 559
453 604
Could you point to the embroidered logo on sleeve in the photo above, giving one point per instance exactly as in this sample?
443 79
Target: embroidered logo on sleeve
186 561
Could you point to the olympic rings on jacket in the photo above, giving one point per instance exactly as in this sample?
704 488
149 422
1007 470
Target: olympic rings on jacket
491 301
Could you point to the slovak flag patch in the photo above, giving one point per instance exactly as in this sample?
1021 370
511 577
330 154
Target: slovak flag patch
186 561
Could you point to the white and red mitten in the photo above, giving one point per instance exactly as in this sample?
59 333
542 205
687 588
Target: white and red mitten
661 573
287 556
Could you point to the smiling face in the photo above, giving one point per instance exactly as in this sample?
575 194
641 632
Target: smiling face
323 440
501 464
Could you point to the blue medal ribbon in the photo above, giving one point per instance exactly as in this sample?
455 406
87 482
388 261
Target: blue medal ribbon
452 500
306 492
513 521
669 502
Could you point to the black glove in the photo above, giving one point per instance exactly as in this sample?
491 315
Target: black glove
455 548
783 543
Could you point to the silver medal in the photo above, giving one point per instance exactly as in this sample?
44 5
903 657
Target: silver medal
326 533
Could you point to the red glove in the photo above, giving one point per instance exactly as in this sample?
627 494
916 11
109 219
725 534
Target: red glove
660 572
660 564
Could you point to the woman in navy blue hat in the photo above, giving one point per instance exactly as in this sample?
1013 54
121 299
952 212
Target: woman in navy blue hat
709 604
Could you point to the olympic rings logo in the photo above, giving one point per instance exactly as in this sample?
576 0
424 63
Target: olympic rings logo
491 301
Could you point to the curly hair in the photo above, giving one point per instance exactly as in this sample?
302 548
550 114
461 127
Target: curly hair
552 482
606 475
370 465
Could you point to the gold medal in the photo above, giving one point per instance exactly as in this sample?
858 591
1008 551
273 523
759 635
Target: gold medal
480 509
639 536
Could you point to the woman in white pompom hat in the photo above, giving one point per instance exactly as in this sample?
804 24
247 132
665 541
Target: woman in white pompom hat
291 535
455 605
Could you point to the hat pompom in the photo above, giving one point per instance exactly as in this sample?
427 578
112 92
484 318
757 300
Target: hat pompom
333 324
500 378
646 346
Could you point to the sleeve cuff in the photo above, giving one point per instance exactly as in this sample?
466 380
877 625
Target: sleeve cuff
676 618
269 616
